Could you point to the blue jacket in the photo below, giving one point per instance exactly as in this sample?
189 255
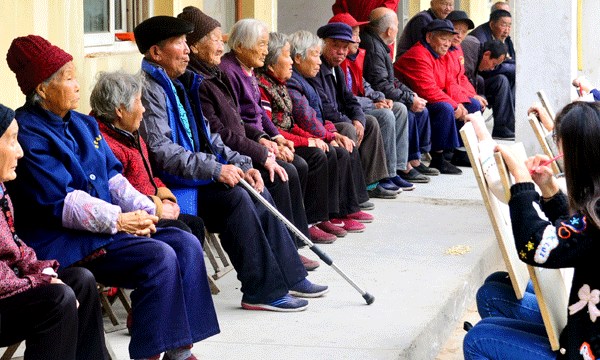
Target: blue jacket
299 83
60 156
339 104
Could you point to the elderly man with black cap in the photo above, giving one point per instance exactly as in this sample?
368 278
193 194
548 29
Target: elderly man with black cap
203 174
342 108
424 69
87 213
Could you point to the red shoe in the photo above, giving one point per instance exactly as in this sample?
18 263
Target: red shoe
361 216
319 236
349 225
328 227
309 264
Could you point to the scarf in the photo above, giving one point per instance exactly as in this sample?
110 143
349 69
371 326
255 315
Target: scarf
281 103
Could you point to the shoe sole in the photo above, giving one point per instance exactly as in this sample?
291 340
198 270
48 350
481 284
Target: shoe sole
323 241
363 221
417 181
265 307
383 196
309 296
367 207
310 268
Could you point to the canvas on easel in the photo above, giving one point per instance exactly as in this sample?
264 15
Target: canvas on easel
498 214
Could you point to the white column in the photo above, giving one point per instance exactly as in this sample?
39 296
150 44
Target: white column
546 51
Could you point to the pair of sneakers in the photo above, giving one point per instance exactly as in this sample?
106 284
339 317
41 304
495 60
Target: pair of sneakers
288 303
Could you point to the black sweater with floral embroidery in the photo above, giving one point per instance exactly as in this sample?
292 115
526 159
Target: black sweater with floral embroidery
548 236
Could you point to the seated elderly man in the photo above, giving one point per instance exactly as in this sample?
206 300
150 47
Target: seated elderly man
341 107
411 34
391 116
475 59
425 68
379 72
187 156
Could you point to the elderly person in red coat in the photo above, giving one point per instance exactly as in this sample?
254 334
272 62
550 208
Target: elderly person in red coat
117 106
57 321
424 68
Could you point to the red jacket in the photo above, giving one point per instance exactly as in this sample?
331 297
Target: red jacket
132 152
356 68
426 73
360 9
456 69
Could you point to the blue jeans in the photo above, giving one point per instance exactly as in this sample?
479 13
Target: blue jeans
506 339
496 298
419 134
394 132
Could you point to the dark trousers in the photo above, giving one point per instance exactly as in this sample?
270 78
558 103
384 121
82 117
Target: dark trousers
288 195
317 185
501 99
171 301
443 126
48 319
190 223
356 167
371 150
258 244
350 182
419 134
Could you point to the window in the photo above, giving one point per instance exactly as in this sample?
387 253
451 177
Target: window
102 19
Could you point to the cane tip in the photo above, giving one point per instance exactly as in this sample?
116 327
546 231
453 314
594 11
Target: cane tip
369 298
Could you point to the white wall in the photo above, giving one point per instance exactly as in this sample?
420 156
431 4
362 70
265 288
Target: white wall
294 15
591 50
546 58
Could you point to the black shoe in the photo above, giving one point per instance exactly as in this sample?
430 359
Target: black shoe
425 170
413 176
467 326
460 158
503 133
381 193
448 154
444 166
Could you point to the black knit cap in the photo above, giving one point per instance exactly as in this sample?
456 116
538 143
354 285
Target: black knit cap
203 24
7 115
459 15
158 28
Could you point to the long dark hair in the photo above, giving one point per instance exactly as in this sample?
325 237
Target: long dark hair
577 129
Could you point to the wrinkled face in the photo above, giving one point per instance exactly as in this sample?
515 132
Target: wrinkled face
393 31
282 69
10 152
173 55
353 47
62 93
130 120
309 67
254 57
441 8
440 41
335 51
488 64
210 48
462 29
501 28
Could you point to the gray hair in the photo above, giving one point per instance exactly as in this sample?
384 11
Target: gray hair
276 43
302 41
112 90
497 6
383 23
245 33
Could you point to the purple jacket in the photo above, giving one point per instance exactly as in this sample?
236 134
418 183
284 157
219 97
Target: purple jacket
245 89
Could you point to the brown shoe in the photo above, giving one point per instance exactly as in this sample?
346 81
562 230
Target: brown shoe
309 264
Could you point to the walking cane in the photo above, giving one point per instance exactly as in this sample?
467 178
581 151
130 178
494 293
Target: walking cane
326 259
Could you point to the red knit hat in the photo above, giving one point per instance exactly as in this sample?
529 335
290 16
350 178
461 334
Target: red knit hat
33 59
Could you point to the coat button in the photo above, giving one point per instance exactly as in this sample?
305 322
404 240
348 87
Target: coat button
92 177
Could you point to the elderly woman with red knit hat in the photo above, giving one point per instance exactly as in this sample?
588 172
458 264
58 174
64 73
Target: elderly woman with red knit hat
56 321
87 213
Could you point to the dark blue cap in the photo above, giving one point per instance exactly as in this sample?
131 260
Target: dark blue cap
459 15
336 30
7 115
439 25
